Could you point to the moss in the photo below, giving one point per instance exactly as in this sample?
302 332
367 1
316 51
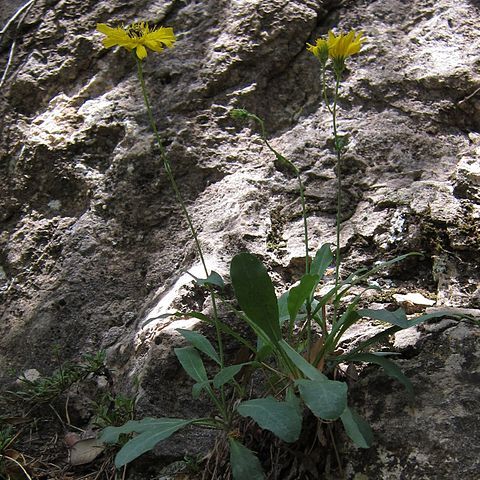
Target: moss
275 241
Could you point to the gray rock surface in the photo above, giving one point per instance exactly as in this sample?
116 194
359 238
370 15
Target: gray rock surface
92 240
435 435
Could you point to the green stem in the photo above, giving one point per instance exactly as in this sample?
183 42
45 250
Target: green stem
219 403
300 185
305 225
324 88
178 195
166 164
338 149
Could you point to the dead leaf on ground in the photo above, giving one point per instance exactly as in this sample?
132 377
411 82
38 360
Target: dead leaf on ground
85 451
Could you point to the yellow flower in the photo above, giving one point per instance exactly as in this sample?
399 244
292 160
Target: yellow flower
320 50
137 36
342 46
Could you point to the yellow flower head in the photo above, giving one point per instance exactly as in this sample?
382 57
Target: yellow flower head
320 50
137 36
342 46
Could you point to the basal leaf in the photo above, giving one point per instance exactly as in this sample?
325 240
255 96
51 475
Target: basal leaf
357 428
326 399
245 464
429 316
226 374
197 389
299 294
322 260
192 363
294 400
223 327
200 342
363 273
283 308
146 440
112 434
305 367
390 368
263 352
281 418
255 293
379 337
397 317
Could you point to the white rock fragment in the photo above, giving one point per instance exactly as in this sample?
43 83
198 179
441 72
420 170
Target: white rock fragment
31 375
406 338
413 302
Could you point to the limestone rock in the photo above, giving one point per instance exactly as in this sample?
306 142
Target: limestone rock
92 240
434 435
413 302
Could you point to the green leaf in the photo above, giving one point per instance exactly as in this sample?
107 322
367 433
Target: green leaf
263 352
255 293
326 399
214 279
341 141
364 273
283 161
283 308
192 363
319 265
428 316
357 428
240 113
226 374
223 327
348 318
293 400
197 389
245 464
324 300
158 317
367 343
322 260
281 418
200 342
306 368
397 317
148 439
391 369
299 294
112 434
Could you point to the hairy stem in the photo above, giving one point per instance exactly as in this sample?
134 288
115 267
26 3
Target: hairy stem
178 195
324 88
338 149
305 225
300 186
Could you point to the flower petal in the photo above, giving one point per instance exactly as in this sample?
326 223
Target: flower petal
161 35
137 36
154 45
141 52
115 36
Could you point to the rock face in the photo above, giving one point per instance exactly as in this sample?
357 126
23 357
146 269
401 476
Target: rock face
93 242
425 437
